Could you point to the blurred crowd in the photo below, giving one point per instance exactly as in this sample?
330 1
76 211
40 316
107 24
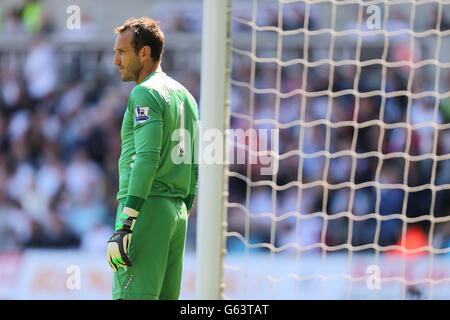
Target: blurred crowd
288 215
60 143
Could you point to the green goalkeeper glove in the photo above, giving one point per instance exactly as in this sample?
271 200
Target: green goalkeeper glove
119 243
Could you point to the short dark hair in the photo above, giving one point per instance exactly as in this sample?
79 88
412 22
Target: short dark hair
146 33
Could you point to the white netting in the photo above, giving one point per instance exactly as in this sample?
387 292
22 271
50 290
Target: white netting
358 94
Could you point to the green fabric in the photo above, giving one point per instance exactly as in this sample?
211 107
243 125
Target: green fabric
151 163
189 201
156 252
134 202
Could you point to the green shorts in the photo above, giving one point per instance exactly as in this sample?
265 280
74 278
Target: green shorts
156 252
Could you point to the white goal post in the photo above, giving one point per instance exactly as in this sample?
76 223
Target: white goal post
356 207
212 183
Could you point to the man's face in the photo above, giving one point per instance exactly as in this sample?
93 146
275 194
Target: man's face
126 58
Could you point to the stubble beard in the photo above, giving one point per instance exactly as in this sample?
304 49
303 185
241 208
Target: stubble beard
132 73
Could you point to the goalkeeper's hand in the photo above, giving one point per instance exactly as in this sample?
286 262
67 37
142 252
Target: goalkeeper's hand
119 243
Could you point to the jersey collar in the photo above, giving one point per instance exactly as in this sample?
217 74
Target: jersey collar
151 75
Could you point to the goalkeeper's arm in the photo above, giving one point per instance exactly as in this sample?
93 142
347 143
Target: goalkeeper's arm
141 179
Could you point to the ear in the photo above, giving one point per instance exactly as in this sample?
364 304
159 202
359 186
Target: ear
145 52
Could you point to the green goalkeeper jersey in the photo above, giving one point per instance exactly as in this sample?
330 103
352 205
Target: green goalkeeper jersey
158 132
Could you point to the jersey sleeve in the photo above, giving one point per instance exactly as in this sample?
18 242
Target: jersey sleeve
148 131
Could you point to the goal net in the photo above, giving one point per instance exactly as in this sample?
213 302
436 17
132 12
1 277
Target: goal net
339 140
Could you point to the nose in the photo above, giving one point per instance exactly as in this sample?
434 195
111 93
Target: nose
116 60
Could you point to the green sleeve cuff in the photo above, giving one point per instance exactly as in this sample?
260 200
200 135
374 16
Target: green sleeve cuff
134 202
189 201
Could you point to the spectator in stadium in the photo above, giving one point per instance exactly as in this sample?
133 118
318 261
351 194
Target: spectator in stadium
44 119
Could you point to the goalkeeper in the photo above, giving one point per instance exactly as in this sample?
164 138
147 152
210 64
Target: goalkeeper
157 174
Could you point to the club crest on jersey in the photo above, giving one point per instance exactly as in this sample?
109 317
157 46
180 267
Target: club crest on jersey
142 114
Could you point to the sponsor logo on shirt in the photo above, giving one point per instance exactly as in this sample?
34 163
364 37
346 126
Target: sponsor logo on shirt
142 114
